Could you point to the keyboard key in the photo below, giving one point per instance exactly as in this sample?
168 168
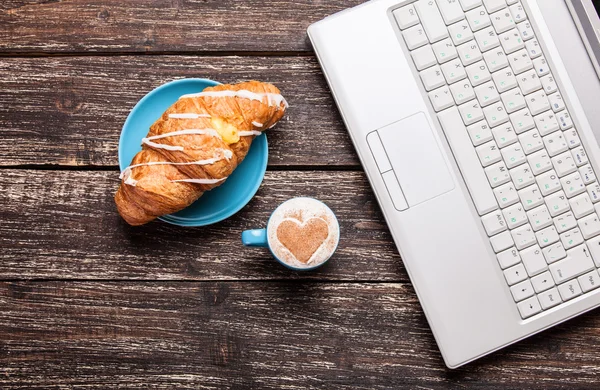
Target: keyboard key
469 4
522 291
531 197
495 114
506 195
441 98
540 65
572 138
537 102
514 155
556 102
406 17
587 174
571 239
478 73
480 133
494 223
520 61
542 282
502 21
531 141
508 258
515 274
431 19
478 19
518 12
511 41
433 78
573 185
546 123
564 164
594 247
415 37
581 205
526 31
444 51
515 216
523 237
548 183
487 39
580 156
547 236
522 121
540 162
554 252
555 143
549 84
497 174
472 113
495 60
529 82
522 176
590 226
569 290
549 299
462 92
469 53
557 203
513 100
468 161
539 218
451 11
533 260
460 32
565 222
529 307
564 120
578 262
589 281
504 135
501 242
534 50
494 5
487 94
423 57
505 80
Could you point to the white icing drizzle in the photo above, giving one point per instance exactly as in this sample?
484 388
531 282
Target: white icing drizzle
247 133
274 99
220 155
257 124
188 116
200 181
148 140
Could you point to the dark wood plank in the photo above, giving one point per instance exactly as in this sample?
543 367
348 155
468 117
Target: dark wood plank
259 336
160 25
70 111
64 224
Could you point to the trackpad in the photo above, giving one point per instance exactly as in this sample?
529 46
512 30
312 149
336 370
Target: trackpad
416 159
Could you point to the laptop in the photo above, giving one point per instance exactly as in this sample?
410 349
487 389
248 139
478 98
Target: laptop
477 124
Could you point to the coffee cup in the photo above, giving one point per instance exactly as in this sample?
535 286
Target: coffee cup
302 234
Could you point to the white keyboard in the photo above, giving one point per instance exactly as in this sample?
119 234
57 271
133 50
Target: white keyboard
514 141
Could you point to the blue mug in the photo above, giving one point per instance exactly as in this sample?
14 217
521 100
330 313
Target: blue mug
304 214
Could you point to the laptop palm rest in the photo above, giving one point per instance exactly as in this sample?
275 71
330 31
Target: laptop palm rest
415 159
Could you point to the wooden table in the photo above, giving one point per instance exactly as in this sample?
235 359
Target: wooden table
87 301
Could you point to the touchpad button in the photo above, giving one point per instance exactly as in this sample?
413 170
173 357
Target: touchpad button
416 159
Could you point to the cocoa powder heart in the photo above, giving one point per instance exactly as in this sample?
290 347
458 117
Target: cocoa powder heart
303 239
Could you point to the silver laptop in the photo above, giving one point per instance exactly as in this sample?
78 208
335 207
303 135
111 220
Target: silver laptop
477 123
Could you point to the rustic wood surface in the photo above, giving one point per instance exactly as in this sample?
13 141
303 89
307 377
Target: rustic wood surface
87 301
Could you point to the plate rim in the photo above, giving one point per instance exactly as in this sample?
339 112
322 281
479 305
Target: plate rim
179 221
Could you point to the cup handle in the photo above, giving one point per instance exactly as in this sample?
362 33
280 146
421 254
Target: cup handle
256 237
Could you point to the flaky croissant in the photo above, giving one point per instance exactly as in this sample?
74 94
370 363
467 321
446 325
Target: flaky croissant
194 147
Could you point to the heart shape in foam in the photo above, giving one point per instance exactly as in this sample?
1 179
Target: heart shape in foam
303 239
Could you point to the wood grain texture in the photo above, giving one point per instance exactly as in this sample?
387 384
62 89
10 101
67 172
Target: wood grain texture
64 224
70 111
160 25
259 336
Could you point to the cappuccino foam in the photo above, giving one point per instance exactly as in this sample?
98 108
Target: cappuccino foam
303 232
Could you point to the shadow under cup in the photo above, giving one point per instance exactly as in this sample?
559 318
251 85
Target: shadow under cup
302 234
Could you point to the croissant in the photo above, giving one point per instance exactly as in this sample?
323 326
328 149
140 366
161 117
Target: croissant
194 147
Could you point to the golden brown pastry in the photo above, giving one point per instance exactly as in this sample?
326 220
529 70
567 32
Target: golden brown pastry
194 147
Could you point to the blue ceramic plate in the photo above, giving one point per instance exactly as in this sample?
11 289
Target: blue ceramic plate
218 204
